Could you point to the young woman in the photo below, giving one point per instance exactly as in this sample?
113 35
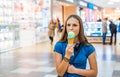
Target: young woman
71 60
51 31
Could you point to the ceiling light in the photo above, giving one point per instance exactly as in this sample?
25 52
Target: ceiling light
115 0
83 3
110 3
70 1
117 10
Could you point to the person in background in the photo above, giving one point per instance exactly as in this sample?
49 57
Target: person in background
67 64
62 28
104 30
51 31
58 26
113 30
118 25
56 23
99 20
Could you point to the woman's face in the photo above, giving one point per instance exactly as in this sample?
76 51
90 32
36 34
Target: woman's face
73 25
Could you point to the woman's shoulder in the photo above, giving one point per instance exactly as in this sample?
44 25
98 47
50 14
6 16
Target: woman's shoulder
60 43
89 49
59 46
89 46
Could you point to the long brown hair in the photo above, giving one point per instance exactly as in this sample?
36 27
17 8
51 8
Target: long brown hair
81 35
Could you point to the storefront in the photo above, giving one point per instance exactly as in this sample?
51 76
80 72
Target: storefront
63 8
23 22
33 18
90 14
82 10
9 31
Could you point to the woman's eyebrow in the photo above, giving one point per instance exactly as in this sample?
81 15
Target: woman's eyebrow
75 24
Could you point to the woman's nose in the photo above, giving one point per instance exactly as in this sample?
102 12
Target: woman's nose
71 27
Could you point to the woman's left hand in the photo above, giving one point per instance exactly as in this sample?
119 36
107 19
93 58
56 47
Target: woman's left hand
71 69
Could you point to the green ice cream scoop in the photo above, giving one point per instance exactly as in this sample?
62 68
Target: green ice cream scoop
71 35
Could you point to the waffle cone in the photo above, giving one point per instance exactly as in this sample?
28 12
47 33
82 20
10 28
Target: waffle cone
70 40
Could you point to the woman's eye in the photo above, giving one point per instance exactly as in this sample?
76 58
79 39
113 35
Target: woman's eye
74 25
68 24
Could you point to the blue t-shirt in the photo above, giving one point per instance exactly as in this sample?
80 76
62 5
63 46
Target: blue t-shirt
81 59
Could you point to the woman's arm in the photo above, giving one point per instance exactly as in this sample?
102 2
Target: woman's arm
62 65
92 72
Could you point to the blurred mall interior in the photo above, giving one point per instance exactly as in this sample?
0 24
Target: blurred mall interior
25 49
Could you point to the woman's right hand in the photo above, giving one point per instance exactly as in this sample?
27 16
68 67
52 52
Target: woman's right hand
69 50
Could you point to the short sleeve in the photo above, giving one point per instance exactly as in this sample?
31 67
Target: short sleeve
90 50
57 48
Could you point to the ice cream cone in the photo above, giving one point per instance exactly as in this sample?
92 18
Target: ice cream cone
70 40
71 36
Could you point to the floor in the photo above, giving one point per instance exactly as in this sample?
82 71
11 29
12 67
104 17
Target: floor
38 61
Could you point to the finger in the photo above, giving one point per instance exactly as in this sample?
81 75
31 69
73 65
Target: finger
73 45
70 46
